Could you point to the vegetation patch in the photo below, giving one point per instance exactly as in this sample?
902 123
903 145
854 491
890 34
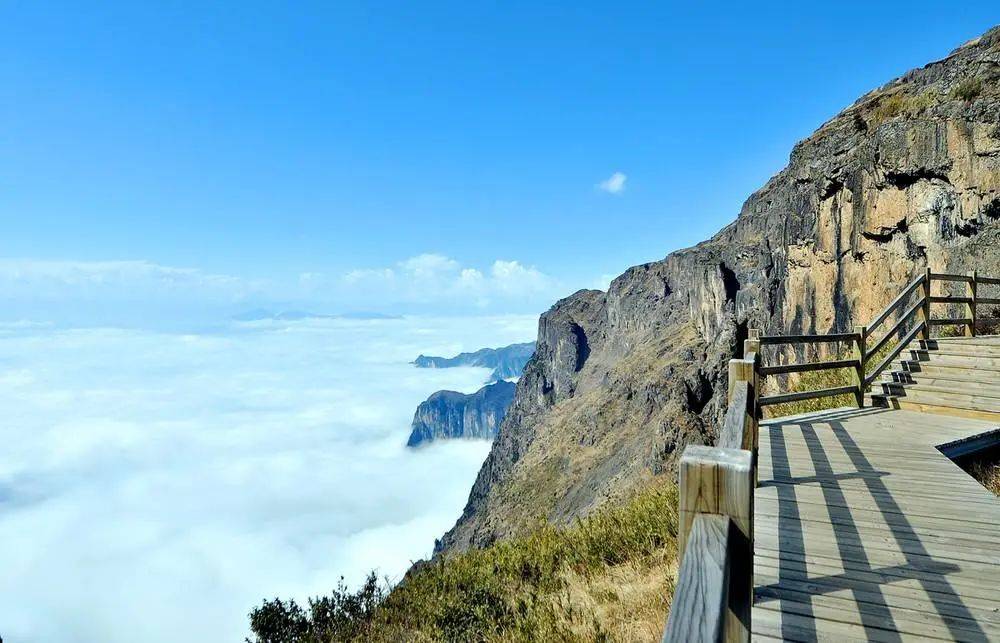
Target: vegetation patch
898 104
608 577
968 89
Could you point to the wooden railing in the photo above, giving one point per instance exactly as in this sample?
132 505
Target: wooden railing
714 592
913 320
714 589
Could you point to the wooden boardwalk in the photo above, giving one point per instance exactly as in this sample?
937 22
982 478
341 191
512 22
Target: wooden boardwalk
864 530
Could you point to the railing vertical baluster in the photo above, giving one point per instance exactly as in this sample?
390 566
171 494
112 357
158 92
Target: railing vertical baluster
925 310
970 290
861 337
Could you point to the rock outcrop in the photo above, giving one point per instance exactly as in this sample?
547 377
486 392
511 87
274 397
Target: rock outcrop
450 414
908 176
506 362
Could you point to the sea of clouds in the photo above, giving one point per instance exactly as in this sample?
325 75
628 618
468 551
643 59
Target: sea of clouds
156 486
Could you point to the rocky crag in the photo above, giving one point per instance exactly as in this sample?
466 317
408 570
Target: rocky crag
506 362
450 414
908 176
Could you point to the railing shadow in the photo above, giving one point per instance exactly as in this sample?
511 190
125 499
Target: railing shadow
860 577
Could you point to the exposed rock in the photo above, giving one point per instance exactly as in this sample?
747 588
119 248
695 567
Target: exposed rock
450 414
908 176
506 362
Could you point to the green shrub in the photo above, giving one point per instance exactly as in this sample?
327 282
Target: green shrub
344 615
968 89
526 588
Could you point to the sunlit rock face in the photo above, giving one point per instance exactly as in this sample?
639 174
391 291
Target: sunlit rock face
908 176
450 414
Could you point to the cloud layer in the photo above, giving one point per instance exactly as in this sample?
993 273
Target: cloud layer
137 292
156 486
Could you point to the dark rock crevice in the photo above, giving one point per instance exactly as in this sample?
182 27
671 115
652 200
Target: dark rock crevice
730 283
582 345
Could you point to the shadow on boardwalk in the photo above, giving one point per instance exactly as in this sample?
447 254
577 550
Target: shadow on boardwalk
864 581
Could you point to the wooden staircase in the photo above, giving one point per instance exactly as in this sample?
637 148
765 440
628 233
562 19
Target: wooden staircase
951 376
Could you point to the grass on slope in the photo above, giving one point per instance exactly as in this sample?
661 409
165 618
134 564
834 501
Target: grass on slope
816 380
609 577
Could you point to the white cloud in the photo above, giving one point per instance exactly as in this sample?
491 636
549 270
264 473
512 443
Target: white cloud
77 275
100 292
615 184
201 474
434 279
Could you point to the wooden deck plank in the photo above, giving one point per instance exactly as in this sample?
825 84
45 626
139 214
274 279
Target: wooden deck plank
864 530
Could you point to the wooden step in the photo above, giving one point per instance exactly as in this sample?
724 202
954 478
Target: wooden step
955 348
953 398
948 359
892 402
951 388
959 382
988 340
942 367
938 404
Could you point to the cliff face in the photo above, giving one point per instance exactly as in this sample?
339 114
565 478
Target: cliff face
449 414
506 362
908 176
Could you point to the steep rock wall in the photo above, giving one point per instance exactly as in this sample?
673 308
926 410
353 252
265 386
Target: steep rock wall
908 176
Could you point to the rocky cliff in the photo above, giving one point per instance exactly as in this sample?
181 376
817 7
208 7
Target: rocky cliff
506 362
450 414
908 176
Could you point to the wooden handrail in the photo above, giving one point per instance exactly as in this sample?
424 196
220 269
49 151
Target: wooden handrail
701 597
943 276
784 369
772 340
783 398
894 353
896 302
714 482
895 329
714 592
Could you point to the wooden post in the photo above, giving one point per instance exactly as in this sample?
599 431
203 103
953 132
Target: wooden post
860 340
739 371
751 353
925 310
720 481
970 290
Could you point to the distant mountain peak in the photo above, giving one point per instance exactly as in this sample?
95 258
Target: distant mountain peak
506 361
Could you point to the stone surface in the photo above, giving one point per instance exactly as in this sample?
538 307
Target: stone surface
450 414
908 176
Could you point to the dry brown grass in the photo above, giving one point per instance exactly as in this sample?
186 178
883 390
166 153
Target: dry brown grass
607 577
627 602
988 475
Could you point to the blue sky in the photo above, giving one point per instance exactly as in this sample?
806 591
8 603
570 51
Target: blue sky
276 142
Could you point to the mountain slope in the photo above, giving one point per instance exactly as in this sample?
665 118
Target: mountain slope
906 177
